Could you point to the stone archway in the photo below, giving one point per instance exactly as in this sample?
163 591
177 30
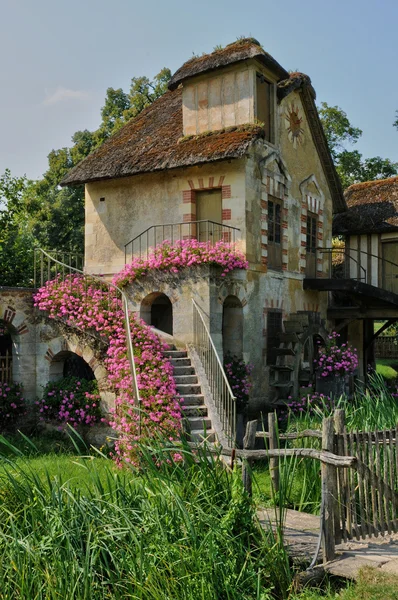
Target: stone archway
157 310
67 363
232 326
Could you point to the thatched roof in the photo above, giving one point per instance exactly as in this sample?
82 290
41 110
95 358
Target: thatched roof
236 52
154 141
372 208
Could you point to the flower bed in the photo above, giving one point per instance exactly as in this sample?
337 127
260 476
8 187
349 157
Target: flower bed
186 253
12 404
90 309
70 401
335 360
238 374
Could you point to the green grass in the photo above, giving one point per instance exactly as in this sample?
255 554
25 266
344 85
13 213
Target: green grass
386 367
76 527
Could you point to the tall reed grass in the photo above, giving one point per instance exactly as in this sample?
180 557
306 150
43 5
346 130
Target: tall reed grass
168 531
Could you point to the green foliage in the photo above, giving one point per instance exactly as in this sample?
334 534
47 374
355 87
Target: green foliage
16 256
386 370
173 530
350 164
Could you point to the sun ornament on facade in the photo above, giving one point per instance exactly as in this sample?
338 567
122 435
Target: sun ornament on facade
293 124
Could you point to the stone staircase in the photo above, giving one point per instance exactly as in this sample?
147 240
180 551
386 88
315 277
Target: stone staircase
196 420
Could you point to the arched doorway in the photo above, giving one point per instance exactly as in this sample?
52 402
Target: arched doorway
69 364
5 354
232 326
157 310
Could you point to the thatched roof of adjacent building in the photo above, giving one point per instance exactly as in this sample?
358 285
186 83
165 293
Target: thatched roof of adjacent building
372 208
239 51
154 141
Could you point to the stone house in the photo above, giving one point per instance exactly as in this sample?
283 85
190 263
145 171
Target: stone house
234 150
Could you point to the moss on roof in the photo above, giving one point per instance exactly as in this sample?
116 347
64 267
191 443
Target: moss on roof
238 51
372 208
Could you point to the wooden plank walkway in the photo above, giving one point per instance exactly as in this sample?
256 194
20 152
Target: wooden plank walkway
301 537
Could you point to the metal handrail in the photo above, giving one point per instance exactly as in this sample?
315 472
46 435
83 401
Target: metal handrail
157 234
360 258
224 399
46 274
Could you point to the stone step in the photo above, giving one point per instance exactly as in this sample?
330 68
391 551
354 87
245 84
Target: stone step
199 423
181 362
175 353
196 436
181 379
180 371
193 400
194 411
188 388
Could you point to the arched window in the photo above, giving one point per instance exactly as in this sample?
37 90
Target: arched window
157 310
232 326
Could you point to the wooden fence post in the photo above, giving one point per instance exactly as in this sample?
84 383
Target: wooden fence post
273 445
342 499
249 442
329 492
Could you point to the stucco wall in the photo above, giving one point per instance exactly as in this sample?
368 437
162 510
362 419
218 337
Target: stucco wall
133 204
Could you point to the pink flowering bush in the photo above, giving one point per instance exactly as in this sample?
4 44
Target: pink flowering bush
70 401
12 404
335 360
92 309
179 255
238 374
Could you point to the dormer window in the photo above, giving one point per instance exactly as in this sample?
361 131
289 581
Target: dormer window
264 104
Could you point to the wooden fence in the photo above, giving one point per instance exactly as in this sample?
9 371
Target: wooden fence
6 368
386 346
359 476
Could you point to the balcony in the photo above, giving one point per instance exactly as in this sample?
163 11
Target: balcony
360 282
203 231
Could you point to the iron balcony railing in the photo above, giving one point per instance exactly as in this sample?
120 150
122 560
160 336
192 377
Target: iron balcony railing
350 263
223 397
203 231
47 267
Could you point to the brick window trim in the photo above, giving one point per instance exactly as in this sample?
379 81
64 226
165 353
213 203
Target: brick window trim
189 197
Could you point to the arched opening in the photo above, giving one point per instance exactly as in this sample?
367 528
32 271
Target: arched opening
232 326
69 364
157 310
5 354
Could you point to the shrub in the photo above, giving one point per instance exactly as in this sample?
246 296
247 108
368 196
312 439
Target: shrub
70 401
238 374
12 404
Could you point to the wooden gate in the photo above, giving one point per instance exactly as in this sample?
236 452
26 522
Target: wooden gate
367 498
6 368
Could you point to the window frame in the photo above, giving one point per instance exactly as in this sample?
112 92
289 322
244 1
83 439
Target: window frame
275 256
260 79
272 341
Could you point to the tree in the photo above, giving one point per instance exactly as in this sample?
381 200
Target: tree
54 215
350 164
16 247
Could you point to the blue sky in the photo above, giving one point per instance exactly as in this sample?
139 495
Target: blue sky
58 58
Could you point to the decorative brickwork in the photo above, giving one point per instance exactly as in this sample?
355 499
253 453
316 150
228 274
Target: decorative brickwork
313 202
9 314
203 184
276 183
